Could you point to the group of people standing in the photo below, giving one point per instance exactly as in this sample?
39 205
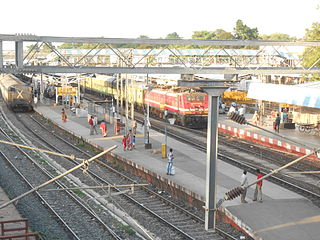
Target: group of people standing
258 190
234 108
129 141
93 126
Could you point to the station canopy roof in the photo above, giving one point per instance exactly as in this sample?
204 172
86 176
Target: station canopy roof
306 95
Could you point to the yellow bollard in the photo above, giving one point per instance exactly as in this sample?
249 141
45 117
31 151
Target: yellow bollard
164 150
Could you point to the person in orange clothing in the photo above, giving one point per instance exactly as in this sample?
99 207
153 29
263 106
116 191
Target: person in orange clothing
103 127
124 142
63 115
258 191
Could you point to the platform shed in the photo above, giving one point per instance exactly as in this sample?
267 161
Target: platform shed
298 103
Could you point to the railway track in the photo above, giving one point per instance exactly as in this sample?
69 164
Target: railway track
264 158
268 159
150 208
33 173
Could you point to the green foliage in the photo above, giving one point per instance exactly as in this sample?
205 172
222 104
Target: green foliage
208 35
221 34
243 32
218 34
173 35
312 55
277 37
71 45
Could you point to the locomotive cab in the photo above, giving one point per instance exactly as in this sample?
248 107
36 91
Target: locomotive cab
195 108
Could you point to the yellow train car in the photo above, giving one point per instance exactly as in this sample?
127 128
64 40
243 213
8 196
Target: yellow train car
238 97
17 94
100 84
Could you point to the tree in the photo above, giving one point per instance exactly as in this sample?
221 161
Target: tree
173 35
208 35
278 37
311 57
243 32
221 34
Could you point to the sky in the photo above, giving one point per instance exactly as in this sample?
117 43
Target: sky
154 18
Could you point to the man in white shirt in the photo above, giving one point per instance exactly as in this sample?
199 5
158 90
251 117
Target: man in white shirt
244 183
231 110
241 111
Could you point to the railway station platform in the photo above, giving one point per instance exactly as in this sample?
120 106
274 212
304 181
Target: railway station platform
280 206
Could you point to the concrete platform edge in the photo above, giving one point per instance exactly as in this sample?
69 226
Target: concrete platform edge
227 217
171 187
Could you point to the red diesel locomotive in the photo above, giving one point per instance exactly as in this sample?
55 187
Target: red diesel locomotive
188 107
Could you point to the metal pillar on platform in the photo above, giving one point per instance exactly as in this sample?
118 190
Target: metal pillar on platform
214 89
212 155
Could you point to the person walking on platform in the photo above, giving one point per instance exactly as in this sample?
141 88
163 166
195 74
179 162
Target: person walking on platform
231 110
95 123
277 123
244 184
255 118
91 125
134 142
258 190
170 162
129 140
124 142
63 115
241 110
103 127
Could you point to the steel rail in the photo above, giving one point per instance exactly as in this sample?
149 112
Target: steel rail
243 165
228 236
61 185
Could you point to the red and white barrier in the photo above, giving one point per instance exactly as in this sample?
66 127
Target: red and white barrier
266 141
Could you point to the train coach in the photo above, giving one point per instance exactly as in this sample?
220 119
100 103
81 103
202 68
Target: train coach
188 107
16 93
102 85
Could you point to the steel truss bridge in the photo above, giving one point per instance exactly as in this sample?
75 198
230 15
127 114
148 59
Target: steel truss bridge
268 58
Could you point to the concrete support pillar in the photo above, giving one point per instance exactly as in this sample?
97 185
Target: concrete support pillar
19 54
211 170
1 55
212 155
